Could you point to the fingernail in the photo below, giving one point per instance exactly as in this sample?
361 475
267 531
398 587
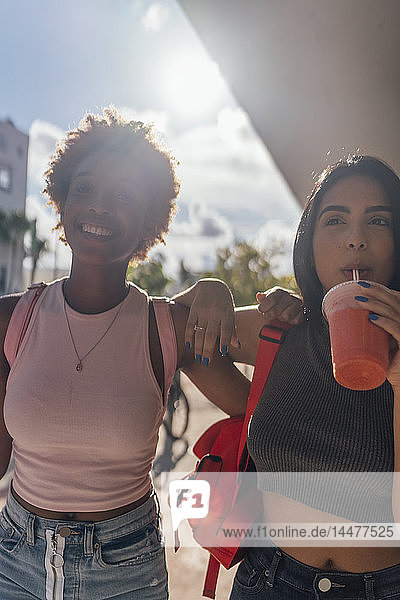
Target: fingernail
239 345
373 317
364 284
187 345
205 361
224 350
198 358
361 298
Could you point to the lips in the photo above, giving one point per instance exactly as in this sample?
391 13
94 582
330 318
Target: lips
364 272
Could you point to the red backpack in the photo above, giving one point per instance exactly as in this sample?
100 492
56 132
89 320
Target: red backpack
222 449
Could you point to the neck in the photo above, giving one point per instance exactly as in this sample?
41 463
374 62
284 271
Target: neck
96 289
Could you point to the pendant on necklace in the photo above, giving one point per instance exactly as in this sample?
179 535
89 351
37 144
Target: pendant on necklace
79 367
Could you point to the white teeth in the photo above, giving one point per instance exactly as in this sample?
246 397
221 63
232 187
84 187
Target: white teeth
96 230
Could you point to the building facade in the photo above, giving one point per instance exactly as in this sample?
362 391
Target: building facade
13 176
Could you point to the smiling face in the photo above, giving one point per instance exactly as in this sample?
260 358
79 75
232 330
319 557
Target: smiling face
105 209
354 230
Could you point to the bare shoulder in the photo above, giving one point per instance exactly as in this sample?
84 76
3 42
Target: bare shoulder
249 316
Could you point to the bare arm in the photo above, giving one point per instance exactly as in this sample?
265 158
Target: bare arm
249 322
220 380
6 307
211 307
222 383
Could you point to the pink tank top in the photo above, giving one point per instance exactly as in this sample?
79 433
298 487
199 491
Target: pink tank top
83 442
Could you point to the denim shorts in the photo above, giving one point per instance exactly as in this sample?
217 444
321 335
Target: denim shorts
269 573
121 558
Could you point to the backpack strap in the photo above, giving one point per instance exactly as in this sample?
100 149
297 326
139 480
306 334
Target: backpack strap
210 581
20 320
166 332
271 337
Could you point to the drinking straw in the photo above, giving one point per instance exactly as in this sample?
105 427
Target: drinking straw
356 275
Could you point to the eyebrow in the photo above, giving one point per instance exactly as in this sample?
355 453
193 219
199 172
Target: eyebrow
92 174
346 209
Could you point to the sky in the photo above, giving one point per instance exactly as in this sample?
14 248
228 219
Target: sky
63 58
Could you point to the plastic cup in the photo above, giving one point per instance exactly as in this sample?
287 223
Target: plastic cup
359 349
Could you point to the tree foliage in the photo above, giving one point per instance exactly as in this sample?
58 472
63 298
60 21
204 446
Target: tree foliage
150 276
185 278
247 271
12 224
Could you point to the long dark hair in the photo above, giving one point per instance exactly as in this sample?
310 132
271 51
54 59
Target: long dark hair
303 261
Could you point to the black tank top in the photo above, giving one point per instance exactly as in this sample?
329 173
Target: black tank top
320 443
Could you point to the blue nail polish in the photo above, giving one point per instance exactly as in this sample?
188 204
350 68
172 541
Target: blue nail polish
361 298
187 345
239 345
198 358
205 361
373 317
364 284
224 350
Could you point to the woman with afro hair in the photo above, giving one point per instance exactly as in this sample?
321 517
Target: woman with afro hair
85 395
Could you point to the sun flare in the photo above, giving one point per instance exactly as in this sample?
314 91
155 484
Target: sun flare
194 84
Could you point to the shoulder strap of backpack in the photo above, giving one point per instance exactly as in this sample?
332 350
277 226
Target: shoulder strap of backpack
20 319
166 332
271 337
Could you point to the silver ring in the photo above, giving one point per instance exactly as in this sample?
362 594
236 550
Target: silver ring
198 328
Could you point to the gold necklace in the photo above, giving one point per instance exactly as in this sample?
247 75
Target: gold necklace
79 365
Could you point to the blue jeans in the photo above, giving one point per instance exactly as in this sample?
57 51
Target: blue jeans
121 558
269 573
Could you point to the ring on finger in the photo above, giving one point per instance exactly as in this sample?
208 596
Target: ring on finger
198 328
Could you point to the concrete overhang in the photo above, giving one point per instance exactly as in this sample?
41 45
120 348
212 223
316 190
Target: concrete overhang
315 76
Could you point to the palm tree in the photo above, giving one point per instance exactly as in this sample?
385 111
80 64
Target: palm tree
12 229
36 249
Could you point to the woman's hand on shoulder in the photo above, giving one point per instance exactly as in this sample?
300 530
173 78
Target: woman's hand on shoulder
210 319
281 304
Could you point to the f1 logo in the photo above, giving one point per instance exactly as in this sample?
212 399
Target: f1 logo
189 499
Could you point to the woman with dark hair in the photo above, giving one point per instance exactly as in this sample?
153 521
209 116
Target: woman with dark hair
84 394
326 454
304 267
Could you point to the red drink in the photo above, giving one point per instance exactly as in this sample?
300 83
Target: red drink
360 349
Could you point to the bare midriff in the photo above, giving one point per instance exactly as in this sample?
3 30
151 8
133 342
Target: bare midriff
347 556
80 516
